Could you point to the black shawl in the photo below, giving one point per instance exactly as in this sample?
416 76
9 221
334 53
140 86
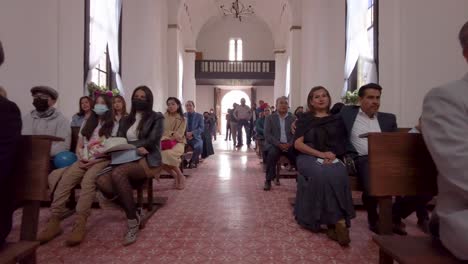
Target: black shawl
329 133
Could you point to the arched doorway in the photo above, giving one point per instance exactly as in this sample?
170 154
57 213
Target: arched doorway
228 100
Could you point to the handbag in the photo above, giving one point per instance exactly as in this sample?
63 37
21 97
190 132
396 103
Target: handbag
170 143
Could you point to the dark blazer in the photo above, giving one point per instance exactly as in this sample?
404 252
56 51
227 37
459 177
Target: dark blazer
198 125
387 123
272 130
149 138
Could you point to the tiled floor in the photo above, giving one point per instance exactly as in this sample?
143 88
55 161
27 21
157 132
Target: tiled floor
223 216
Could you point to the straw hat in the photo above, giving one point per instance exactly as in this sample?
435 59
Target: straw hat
117 144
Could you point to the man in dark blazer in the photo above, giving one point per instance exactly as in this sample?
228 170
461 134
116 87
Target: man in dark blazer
10 134
193 134
360 120
278 139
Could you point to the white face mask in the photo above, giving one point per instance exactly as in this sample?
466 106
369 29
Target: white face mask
100 109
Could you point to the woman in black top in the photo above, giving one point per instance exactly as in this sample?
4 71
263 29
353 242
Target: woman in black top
143 128
323 192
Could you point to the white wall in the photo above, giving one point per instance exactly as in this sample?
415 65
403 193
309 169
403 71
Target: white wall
419 50
205 98
43 42
144 60
213 39
265 93
323 46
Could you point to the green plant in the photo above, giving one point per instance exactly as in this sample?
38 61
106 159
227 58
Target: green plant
351 98
95 90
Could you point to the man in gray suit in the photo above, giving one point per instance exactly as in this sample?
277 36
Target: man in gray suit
278 139
445 126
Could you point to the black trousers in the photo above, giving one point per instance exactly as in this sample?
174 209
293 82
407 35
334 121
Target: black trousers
403 206
273 155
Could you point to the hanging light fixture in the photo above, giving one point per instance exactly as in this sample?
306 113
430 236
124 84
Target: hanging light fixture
237 10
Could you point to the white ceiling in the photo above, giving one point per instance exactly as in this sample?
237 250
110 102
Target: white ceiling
275 13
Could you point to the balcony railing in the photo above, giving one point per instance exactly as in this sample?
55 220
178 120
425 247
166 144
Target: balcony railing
222 69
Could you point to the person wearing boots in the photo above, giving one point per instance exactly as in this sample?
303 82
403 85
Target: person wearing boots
195 128
91 140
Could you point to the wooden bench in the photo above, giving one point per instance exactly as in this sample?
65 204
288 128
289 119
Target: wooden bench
31 169
401 165
286 174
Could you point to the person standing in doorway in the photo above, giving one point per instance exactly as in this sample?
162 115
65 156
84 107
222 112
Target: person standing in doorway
243 114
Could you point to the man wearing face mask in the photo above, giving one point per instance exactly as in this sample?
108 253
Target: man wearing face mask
47 120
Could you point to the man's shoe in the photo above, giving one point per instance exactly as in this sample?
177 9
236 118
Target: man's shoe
374 228
51 231
399 229
277 182
267 186
424 225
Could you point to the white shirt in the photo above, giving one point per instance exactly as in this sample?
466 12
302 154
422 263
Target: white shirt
132 133
283 137
363 124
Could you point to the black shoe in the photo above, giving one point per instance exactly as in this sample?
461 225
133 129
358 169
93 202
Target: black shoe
374 228
277 182
424 225
267 186
399 229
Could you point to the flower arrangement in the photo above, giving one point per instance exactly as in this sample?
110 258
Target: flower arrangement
95 90
351 98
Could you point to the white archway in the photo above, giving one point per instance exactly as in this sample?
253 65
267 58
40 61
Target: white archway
228 100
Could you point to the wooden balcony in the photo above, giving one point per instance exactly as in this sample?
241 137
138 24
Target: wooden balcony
222 72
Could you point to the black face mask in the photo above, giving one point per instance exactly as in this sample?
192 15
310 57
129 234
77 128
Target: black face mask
140 105
41 105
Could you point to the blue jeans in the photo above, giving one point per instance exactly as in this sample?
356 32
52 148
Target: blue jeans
197 145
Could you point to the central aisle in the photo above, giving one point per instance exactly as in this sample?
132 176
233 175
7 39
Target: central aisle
223 216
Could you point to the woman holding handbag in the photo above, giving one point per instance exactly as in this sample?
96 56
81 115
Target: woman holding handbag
173 140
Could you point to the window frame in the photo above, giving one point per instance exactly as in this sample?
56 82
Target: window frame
236 49
111 81
354 77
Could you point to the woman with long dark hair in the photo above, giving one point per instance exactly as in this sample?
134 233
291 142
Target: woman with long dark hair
86 105
323 192
119 109
95 132
173 140
142 128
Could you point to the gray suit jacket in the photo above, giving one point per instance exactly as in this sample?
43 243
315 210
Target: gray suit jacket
387 123
272 130
445 130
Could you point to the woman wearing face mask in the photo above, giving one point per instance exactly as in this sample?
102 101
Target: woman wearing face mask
173 140
86 108
143 128
90 144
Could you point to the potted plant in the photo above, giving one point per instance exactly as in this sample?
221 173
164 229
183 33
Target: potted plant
351 98
95 90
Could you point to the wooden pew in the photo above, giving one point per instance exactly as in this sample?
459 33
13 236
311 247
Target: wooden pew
31 169
401 165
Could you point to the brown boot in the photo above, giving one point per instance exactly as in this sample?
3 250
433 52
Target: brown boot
78 233
342 233
51 231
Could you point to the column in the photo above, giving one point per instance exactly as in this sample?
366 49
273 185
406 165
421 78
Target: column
296 98
173 39
189 82
280 74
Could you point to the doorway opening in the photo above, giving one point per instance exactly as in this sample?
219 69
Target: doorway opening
228 100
